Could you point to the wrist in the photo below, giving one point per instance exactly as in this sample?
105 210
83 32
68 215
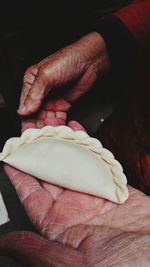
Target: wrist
121 47
94 52
100 59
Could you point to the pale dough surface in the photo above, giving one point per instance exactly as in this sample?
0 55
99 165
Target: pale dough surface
69 159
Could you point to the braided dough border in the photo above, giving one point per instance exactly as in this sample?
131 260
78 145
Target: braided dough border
80 138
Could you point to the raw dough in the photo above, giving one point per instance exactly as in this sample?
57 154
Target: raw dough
69 159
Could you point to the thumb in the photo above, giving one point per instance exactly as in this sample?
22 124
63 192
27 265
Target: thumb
33 94
31 249
76 126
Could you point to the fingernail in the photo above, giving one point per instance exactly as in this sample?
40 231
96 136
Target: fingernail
22 109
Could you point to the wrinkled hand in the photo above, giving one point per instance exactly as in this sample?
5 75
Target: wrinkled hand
79 229
66 74
52 113
88 231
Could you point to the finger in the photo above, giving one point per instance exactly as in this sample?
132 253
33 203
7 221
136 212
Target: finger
57 115
42 115
25 90
27 124
59 104
36 201
36 94
76 126
40 124
23 183
28 80
61 115
54 122
54 119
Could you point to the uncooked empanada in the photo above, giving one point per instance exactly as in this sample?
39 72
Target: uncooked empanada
69 159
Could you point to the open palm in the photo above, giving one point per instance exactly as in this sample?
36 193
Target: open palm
79 229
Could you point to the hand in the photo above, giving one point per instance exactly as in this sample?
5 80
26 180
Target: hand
79 229
52 113
66 74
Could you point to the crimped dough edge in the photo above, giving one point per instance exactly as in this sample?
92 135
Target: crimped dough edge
78 137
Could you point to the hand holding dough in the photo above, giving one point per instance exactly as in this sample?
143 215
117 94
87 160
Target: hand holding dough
69 159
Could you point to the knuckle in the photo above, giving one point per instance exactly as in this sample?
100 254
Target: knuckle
44 73
26 74
29 69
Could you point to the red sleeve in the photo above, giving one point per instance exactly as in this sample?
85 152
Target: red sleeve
136 17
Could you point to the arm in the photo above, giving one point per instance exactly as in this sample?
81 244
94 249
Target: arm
127 35
135 17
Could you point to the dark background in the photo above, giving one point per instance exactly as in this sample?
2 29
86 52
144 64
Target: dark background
30 31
